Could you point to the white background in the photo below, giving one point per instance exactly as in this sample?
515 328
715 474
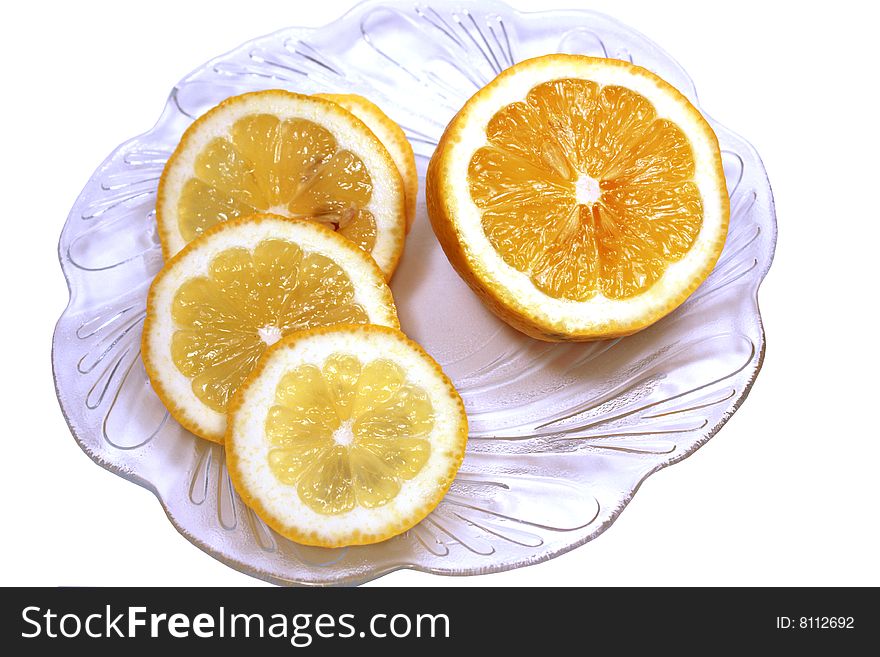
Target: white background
785 494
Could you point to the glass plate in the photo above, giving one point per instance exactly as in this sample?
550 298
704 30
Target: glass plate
561 435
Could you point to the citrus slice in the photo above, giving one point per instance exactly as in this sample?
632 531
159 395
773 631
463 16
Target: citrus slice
581 198
345 435
392 137
217 305
288 154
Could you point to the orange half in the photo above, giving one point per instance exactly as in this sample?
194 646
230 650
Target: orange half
581 198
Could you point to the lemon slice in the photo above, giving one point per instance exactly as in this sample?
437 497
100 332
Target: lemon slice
581 198
392 137
288 154
345 435
217 305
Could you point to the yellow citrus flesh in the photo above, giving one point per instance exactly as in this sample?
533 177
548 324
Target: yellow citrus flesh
392 137
287 154
586 189
237 290
345 435
248 298
292 167
581 198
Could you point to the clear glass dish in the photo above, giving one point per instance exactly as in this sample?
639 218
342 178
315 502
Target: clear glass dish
562 435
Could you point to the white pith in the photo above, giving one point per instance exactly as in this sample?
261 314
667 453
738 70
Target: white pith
269 334
586 190
344 433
